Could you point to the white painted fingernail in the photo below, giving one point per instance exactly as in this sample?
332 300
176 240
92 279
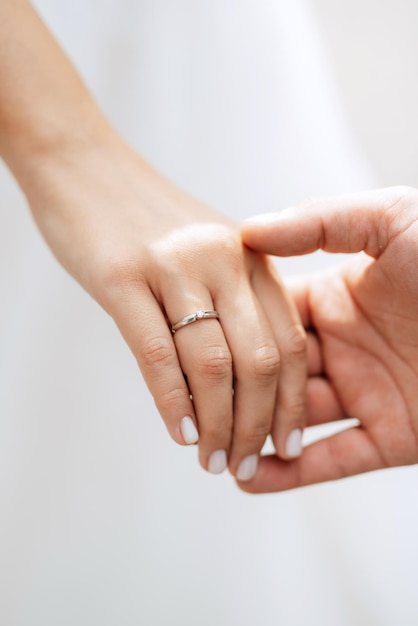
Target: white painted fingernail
294 443
217 462
248 467
189 430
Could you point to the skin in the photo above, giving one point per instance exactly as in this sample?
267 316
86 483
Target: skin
362 324
150 255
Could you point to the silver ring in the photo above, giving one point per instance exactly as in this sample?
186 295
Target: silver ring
194 317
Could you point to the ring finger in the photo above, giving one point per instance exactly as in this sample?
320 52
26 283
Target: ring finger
206 361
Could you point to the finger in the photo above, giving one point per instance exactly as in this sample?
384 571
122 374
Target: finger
323 403
291 409
206 360
256 372
314 354
298 289
344 454
142 324
298 286
350 223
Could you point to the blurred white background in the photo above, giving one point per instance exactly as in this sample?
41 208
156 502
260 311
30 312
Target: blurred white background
103 520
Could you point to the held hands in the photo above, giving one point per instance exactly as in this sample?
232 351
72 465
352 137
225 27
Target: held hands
151 255
362 328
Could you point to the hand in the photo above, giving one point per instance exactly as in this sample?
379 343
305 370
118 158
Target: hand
362 323
150 255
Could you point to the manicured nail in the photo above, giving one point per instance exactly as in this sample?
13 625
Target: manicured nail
294 443
189 430
248 467
217 462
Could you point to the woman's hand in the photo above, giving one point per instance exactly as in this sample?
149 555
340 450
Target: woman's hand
362 324
150 255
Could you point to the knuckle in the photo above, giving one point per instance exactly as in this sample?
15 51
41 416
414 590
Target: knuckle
296 408
255 436
157 351
215 363
168 401
114 278
219 236
217 430
296 344
266 363
215 242
224 249
231 250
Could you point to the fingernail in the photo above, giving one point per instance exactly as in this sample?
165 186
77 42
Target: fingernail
294 443
248 467
189 430
217 462
263 218
271 218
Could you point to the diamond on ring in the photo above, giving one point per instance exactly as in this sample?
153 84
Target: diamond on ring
194 317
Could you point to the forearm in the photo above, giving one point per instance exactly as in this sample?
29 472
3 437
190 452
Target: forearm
44 105
67 158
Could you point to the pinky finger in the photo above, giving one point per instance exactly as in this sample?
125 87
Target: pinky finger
290 414
144 328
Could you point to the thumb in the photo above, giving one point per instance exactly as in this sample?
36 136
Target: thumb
363 221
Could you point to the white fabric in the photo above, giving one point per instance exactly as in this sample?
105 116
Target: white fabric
103 519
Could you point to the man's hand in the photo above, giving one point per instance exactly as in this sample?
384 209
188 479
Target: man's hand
362 323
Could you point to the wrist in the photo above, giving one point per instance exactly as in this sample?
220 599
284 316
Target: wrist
38 145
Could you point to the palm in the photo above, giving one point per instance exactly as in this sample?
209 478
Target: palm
366 373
